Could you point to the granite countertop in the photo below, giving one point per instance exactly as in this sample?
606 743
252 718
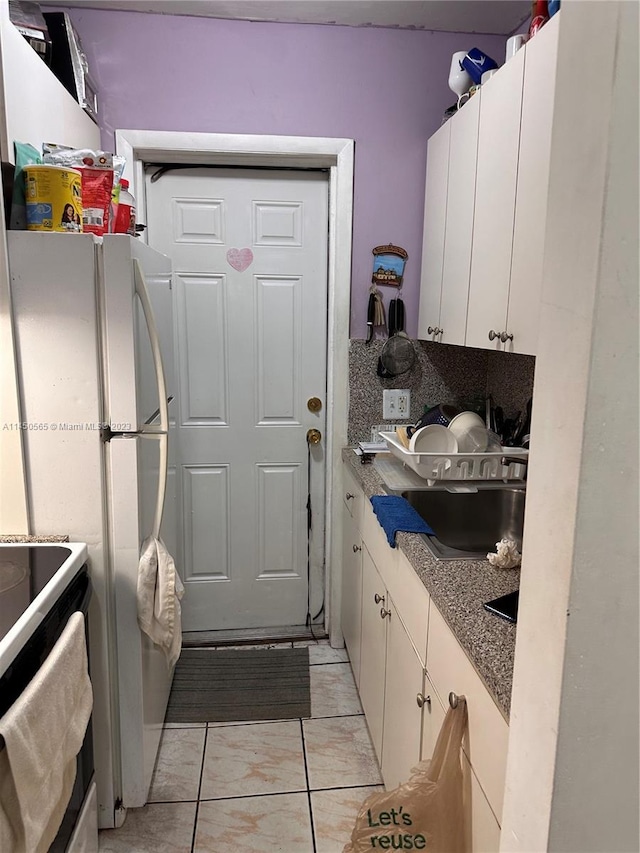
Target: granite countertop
25 539
458 589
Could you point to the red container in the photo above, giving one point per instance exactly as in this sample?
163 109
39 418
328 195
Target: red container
126 213
539 16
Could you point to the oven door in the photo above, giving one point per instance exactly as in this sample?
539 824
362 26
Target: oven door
25 665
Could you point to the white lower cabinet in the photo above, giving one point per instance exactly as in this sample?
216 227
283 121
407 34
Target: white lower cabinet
482 830
485 745
351 601
351 590
431 720
403 704
373 649
408 661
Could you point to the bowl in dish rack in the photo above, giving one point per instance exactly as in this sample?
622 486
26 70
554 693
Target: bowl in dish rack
433 439
470 431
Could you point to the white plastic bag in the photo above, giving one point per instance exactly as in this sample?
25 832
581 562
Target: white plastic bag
425 813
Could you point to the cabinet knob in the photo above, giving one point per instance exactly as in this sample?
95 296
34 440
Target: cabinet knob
379 599
349 496
356 548
434 330
384 613
423 700
493 335
504 337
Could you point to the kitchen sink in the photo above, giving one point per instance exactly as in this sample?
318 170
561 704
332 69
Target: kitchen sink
467 525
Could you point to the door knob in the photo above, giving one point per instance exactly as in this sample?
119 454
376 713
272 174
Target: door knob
384 613
493 335
314 404
314 436
356 548
504 337
379 599
423 700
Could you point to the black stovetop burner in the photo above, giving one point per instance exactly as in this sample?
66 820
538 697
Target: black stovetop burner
24 572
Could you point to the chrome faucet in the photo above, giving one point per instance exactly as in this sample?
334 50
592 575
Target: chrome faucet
516 460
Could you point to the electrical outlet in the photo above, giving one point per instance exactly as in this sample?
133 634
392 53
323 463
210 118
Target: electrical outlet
404 403
395 404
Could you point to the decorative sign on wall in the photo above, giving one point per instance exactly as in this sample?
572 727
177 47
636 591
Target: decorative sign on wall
388 265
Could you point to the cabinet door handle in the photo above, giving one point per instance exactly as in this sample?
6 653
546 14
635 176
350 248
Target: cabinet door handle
349 496
493 335
379 599
504 337
423 700
434 330
384 613
356 548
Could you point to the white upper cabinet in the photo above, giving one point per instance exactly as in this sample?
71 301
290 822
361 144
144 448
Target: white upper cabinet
496 179
435 212
35 106
463 153
448 227
532 189
485 208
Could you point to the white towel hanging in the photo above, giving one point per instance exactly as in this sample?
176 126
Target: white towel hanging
159 592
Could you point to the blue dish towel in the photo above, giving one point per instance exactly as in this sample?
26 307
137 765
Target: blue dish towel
395 513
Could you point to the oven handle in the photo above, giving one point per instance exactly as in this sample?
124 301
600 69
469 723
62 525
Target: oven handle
86 597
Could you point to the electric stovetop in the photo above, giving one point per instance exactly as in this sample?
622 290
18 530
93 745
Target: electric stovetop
32 578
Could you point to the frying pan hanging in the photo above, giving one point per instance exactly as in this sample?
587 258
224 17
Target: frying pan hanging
398 354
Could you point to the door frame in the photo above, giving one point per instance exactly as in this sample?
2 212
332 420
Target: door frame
140 147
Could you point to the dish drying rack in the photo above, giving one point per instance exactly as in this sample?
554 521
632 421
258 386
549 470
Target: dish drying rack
434 467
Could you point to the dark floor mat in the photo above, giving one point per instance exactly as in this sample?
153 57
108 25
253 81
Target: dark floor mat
224 685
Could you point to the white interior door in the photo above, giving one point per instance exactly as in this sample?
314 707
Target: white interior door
249 253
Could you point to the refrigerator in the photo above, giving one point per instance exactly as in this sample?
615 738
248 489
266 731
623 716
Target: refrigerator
94 347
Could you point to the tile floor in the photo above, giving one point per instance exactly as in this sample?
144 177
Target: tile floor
292 786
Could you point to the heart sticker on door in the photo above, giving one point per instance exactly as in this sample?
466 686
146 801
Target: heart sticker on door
240 259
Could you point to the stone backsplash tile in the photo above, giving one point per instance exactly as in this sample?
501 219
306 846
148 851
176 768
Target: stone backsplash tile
442 373
510 380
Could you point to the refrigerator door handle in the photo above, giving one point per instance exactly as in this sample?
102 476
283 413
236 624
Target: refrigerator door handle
162 484
143 294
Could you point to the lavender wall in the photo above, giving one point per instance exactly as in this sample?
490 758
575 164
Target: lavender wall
385 88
